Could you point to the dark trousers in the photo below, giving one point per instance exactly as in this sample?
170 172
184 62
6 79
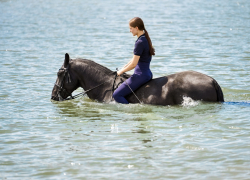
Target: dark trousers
135 81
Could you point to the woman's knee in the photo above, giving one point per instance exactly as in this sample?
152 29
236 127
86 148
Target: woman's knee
115 95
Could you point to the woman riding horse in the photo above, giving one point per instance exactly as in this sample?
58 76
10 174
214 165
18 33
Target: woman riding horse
100 82
143 52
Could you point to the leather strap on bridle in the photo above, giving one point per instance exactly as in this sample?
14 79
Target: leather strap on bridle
82 93
61 85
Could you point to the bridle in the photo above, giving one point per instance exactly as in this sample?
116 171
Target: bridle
66 72
61 89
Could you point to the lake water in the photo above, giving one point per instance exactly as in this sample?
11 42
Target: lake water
85 139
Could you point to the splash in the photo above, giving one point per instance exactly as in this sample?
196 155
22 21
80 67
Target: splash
187 102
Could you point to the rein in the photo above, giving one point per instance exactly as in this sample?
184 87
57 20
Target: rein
79 94
85 92
133 92
61 85
128 86
82 93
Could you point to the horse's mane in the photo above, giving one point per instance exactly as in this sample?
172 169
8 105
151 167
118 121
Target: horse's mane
100 67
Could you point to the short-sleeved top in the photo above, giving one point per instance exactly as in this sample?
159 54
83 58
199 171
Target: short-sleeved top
142 49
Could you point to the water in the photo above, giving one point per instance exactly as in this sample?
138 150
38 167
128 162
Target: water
84 139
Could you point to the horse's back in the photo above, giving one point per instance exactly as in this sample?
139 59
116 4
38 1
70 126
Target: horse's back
170 90
153 92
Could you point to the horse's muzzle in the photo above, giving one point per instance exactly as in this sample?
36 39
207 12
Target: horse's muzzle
55 98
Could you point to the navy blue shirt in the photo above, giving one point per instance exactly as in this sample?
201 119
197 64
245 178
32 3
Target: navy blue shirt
142 49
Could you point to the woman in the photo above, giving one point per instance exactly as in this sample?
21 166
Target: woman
143 52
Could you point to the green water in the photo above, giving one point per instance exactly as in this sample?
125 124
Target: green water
84 139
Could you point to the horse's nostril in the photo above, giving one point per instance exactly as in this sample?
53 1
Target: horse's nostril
54 98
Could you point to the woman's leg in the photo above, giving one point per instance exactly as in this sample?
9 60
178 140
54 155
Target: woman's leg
121 92
134 82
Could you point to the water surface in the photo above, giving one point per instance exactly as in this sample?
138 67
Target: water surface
84 139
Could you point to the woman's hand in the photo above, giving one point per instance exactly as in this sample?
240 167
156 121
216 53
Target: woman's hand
119 73
131 65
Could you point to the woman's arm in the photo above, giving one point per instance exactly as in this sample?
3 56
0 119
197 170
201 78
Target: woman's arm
128 63
131 65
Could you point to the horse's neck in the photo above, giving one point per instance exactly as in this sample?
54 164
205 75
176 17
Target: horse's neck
90 75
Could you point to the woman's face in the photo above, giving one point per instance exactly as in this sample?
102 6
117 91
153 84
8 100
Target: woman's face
133 30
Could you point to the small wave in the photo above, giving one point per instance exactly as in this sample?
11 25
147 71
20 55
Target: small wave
187 102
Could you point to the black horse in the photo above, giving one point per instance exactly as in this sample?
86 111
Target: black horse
99 83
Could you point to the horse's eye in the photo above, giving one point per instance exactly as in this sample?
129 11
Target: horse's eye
59 72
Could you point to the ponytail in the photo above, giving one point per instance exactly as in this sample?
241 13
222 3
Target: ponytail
151 48
137 22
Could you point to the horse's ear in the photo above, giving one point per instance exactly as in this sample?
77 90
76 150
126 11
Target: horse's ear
66 60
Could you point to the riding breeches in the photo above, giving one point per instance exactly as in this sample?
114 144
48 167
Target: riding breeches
134 82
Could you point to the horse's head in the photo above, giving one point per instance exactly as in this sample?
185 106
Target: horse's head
65 82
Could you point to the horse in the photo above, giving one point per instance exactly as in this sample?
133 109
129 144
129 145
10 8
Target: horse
100 82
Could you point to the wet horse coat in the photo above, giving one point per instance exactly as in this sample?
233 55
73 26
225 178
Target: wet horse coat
166 90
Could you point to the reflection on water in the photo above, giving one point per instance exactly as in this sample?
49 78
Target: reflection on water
74 108
86 108
140 131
